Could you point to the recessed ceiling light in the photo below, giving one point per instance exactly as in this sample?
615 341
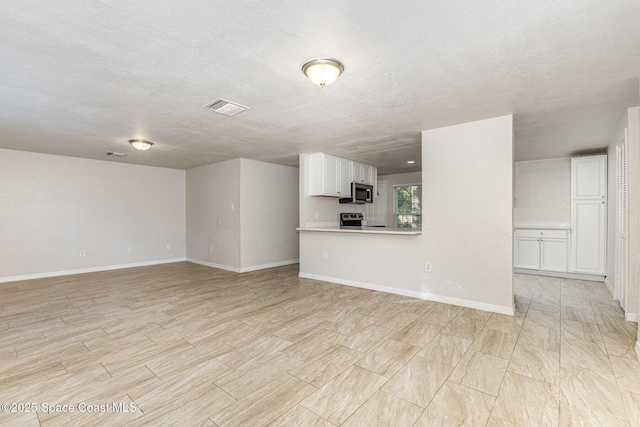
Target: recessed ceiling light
411 162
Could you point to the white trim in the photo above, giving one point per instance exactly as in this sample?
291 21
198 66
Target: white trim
608 285
413 294
576 276
271 265
631 317
243 269
214 265
87 270
638 349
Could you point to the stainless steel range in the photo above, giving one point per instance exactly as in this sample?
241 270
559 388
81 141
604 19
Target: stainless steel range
351 220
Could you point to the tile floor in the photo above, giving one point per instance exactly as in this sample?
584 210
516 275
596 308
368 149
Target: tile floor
182 344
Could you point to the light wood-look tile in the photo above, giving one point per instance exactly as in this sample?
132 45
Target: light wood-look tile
590 398
495 343
383 409
328 365
343 395
536 363
480 371
418 381
388 358
527 402
456 405
446 349
300 416
191 345
264 405
418 333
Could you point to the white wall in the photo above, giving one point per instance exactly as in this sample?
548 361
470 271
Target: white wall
633 157
242 215
543 191
213 214
468 210
53 207
269 215
397 179
467 190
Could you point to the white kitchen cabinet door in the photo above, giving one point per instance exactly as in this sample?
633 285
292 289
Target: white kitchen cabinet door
527 253
359 172
553 254
329 175
588 236
344 177
374 182
363 174
331 169
589 178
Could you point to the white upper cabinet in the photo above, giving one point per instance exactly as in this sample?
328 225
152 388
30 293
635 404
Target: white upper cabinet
332 175
329 176
362 173
589 178
344 177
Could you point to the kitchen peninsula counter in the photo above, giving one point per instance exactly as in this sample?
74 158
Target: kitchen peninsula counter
364 230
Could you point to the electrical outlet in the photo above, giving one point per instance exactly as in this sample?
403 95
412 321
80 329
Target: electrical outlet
210 249
168 246
82 254
325 255
233 206
129 250
427 266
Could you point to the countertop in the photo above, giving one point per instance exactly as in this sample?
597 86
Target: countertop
365 230
543 225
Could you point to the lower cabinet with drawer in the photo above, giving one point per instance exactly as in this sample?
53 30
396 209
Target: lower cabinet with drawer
538 249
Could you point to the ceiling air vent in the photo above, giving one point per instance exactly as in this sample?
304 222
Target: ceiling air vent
228 108
114 154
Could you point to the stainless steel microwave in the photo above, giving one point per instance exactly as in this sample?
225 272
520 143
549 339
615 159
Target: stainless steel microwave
360 193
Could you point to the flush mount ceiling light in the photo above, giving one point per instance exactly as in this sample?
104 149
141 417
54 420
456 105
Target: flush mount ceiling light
140 144
323 71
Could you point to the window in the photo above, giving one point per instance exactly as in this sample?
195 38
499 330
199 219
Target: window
407 202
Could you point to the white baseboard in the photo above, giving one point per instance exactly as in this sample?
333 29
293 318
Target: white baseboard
413 294
243 269
608 285
87 270
271 265
631 317
577 276
638 349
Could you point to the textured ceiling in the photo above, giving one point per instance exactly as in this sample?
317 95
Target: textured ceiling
82 78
